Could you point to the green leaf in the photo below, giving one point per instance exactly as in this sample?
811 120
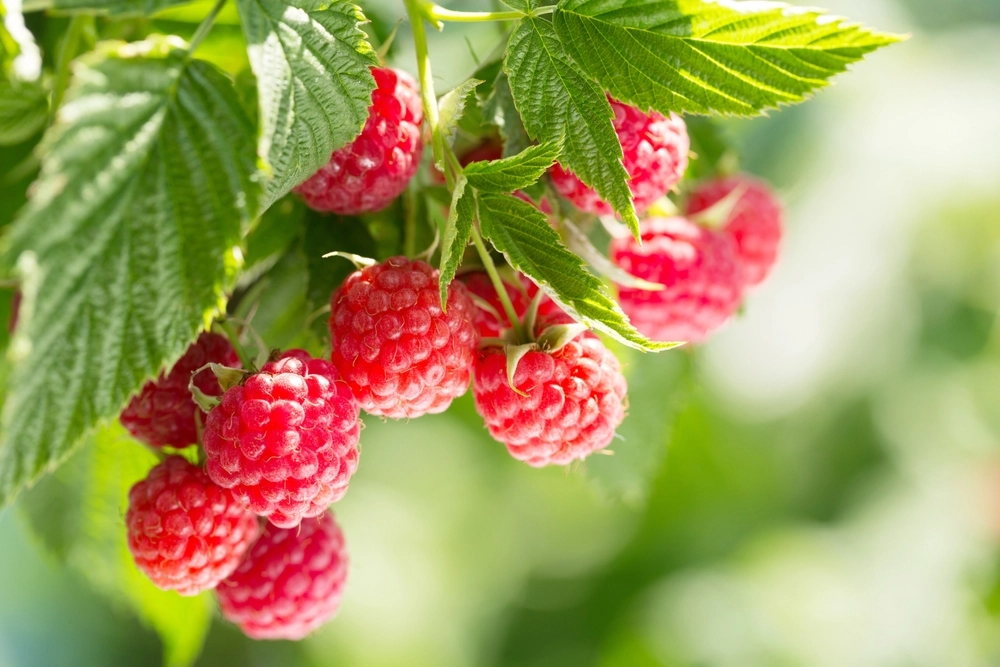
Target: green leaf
702 56
451 109
500 110
24 108
523 235
77 514
513 173
113 7
457 232
125 246
313 66
655 397
557 102
326 234
20 56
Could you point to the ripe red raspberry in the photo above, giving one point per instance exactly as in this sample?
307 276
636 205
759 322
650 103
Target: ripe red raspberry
492 322
185 532
286 440
290 583
569 405
163 413
401 355
369 173
754 223
700 273
655 156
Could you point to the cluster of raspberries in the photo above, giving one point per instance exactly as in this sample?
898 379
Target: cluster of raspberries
704 269
280 444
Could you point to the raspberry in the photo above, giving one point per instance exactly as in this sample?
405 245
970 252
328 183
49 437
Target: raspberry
290 583
570 401
163 413
286 440
655 156
401 355
700 273
493 324
369 173
185 532
754 223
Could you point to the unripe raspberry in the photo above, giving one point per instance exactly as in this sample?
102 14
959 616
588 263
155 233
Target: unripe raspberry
290 583
186 533
567 405
754 223
286 440
163 413
376 167
696 266
655 156
399 352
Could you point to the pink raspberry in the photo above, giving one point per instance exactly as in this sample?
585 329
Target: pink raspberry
185 532
700 273
754 223
369 173
163 413
569 403
400 354
290 583
655 156
286 440
492 322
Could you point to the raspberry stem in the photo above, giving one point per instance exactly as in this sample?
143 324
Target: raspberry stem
205 27
234 339
491 270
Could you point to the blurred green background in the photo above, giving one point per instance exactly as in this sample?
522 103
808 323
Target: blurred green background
817 486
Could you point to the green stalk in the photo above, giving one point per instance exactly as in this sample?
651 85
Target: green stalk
234 339
68 48
205 27
491 270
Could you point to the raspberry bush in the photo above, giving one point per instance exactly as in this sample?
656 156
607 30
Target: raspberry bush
187 316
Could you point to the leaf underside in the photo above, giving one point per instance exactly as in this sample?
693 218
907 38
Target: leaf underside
126 246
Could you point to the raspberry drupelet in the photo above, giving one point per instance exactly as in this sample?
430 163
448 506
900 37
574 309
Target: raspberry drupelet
286 439
163 413
698 268
754 223
399 352
290 583
655 149
185 532
367 174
